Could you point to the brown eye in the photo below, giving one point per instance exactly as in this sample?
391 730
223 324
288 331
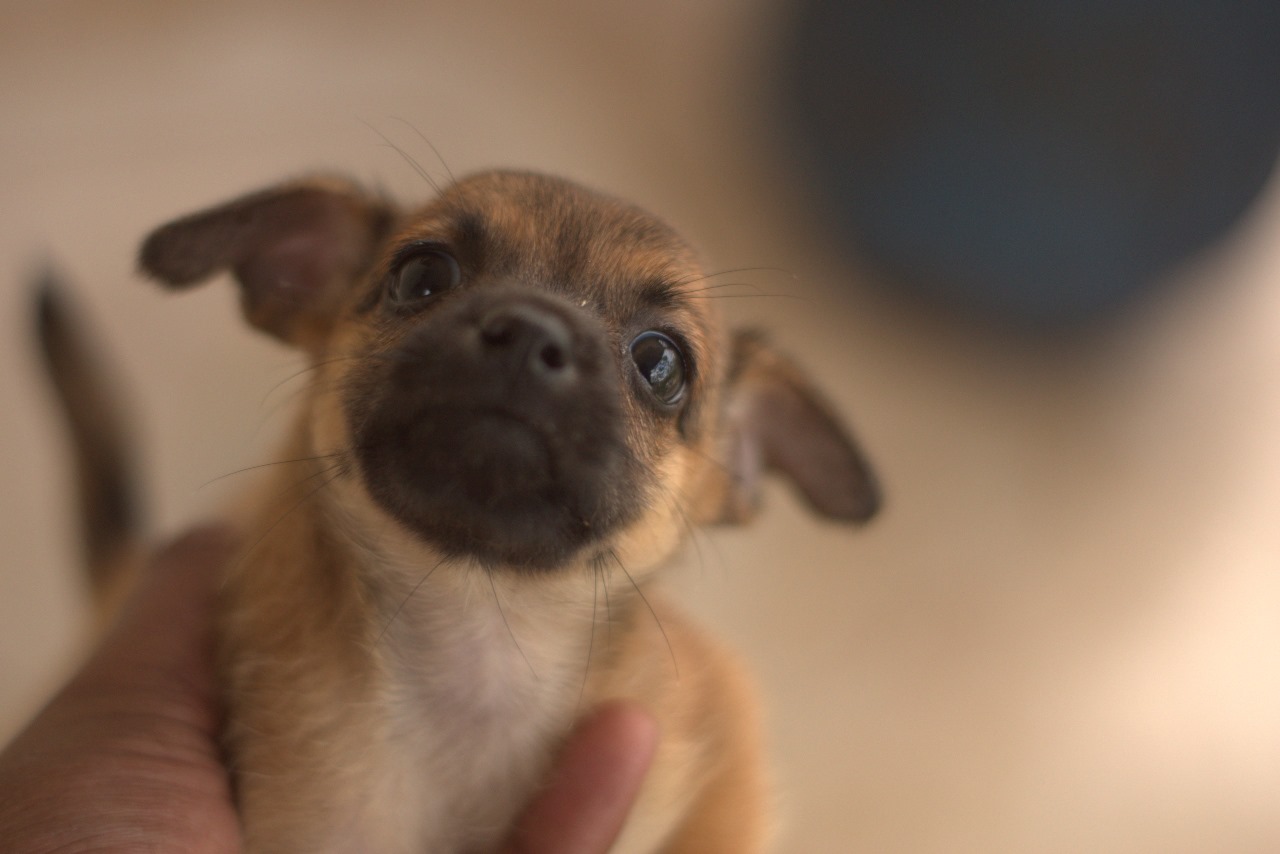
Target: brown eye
424 275
661 365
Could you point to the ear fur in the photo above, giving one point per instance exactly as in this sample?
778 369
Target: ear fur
294 248
775 420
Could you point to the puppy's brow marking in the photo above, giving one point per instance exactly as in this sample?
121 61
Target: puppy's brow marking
661 294
471 232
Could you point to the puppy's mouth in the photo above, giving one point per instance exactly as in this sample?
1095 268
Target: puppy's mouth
483 457
494 431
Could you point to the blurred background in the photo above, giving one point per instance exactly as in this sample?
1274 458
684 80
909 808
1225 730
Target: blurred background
1060 343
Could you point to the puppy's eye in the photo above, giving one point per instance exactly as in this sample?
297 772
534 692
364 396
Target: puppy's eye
425 274
661 364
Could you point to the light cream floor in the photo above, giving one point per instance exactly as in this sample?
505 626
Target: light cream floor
1062 636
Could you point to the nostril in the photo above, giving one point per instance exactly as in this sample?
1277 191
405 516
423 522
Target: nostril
498 330
531 339
553 356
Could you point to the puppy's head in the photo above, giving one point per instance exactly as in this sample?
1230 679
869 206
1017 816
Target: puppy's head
522 372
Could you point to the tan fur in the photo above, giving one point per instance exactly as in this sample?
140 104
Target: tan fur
298 628
299 625
382 699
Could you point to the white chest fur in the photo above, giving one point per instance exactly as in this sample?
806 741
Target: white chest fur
420 708
483 677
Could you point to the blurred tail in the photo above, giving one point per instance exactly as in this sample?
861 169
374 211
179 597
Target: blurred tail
99 437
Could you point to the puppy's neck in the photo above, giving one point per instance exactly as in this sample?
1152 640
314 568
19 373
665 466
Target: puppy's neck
486 644
457 682
452 632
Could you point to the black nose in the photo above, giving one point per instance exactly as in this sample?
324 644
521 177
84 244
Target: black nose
531 339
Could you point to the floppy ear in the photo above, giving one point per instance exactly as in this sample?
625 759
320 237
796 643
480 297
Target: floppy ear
295 248
776 421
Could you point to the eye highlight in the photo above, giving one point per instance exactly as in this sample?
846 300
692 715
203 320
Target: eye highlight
424 274
661 365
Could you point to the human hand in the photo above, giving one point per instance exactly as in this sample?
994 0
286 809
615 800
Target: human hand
126 757
590 791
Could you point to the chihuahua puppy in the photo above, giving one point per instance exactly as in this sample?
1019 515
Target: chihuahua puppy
522 402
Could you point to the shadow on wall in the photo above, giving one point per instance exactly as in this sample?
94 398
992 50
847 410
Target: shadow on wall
1038 160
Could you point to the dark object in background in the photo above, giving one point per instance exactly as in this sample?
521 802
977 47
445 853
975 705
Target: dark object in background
1036 159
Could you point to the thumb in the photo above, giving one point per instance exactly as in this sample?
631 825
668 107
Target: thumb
593 786
161 645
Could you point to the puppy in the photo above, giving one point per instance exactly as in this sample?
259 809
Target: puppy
521 403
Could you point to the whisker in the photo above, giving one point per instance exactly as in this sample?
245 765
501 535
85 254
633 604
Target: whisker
317 383
708 458
690 280
405 601
695 532
332 456
430 145
414 164
293 376
721 286
498 601
670 649
317 473
591 641
314 386
336 470
761 295
311 386
308 369
608 609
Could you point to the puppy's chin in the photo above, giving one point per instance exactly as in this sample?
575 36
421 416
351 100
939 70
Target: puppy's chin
490 486
481 456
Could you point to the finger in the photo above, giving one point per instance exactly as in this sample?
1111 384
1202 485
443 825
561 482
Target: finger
125 755
595 782
173 599
161 645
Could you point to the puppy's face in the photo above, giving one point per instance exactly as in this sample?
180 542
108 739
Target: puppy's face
523 372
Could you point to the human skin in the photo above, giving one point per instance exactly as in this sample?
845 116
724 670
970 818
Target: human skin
126 758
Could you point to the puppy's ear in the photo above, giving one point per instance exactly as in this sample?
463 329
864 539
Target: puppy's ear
295 248
776 421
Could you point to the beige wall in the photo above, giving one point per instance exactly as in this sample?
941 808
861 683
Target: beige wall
1064 634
